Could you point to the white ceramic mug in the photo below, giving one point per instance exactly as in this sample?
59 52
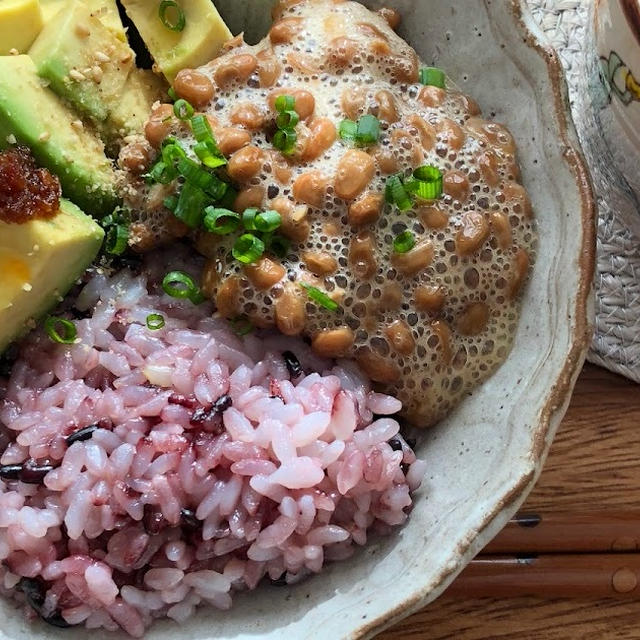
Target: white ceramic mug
617 35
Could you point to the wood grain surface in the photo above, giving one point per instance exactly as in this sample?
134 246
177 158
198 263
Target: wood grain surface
594 465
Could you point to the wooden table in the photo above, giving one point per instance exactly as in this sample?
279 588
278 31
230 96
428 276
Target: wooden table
594 465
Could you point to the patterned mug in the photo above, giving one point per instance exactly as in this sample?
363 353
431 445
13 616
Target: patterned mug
617 35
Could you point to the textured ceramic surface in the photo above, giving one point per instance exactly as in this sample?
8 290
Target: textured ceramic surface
486 456
617 33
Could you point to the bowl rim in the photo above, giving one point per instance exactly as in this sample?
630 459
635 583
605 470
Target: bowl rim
581 334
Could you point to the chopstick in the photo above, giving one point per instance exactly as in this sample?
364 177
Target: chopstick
616 531
550 576
558 555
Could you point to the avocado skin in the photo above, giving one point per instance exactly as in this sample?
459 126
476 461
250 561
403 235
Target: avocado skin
66 245
28 110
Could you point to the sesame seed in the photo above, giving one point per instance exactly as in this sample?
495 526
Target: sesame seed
97 74
27 287
44 136
77 124
74 74
101 56
11 139
14 52
126 58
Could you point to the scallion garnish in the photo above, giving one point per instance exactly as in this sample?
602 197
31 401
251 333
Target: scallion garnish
171 15
191 204
183 110
163 173
404 242
172 152
248 248
60 330
116 239
220 221
155 321
348 130
320 297
368 130
265 221
287 119
209 154
432 76
395 193
179 284
241 325
285 140
286 137
285 103
426 183
171 92
201 128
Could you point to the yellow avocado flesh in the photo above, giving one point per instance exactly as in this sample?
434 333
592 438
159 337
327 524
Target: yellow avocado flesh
39 262
20 24
199 42
105 10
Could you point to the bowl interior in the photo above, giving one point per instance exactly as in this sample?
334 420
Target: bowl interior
485 455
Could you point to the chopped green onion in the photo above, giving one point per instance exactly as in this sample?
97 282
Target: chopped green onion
209 154
163 173
241 325
395 193
60 330
220 221
348 130
117 239
170 202
249 219
178 21
248 248
432 76
426 183
171 153
278 245
193 173
201 128
228 197
287 119
285 103
191 205
320 297
368 130
285 140
268 221
179 284
404 242
171 92
183 110
155 321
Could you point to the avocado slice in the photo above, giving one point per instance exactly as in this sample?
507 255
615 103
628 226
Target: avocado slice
20 24
131 110
39 261
199 42
83 61
105 10
32 115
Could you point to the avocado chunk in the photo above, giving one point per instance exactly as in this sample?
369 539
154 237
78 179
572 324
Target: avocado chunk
32 115
20 24
105 10
131 110
199 42
39 262
82 60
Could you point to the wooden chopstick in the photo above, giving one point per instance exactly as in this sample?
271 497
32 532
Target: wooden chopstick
550 576
611 531
558 555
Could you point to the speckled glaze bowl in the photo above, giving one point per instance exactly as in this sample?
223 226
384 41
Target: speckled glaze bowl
485 457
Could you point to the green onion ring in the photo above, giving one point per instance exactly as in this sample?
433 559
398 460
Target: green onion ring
432 76
287 119
155 321
69 331
165 7
285 140
320 297
183 110
179 284
267 221
248 248
348 130
117 239
404 242
285 103
220 221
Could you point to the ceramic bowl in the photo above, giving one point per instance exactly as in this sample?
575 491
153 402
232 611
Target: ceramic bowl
616 25
485 457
